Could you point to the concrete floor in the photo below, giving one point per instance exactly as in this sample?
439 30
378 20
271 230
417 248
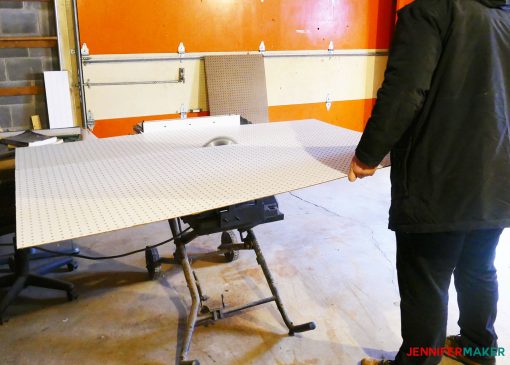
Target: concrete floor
333 259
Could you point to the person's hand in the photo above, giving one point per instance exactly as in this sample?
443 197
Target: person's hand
359 170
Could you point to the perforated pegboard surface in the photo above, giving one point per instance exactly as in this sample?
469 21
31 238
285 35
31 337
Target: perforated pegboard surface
78 189
236 84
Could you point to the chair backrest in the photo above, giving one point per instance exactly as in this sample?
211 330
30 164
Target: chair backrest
7 198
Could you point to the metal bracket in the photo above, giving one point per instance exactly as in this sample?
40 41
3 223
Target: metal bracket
328 102
181 49
181 75
85 50
212 314
183 112
90 120
181 79
262 47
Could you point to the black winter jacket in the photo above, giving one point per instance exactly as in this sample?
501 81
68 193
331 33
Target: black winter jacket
444 112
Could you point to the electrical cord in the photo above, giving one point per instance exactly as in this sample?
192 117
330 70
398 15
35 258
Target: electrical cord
95 258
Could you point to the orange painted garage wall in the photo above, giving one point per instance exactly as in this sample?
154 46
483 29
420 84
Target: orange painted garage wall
112 27
352 114
154 26
123 126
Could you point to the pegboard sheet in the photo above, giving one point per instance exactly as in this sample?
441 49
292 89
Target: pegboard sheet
236 84
84 188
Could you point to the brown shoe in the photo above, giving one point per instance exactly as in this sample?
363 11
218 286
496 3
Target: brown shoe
370 361
456 342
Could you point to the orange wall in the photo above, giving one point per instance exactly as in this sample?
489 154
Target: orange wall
154 26
124 126
352 114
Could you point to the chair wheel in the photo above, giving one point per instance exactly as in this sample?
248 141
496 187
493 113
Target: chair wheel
72 295
153 263
231 255
72 266
11 262
229 237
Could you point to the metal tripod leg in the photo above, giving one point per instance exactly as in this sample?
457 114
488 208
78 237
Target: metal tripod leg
250 238
182 256
195 301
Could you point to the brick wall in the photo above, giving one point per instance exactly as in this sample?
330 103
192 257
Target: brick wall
24 66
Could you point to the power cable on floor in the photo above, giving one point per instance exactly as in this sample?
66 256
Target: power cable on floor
56 253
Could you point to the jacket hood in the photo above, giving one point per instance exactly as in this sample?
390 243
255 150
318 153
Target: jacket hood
496 3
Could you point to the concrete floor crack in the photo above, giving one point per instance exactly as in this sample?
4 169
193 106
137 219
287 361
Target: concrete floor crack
318 206
375 242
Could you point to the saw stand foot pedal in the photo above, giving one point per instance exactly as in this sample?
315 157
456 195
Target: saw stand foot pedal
189 362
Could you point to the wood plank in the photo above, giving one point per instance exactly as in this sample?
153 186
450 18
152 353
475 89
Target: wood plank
28 42
23 90
67 46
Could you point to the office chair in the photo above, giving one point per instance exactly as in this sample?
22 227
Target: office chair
21 276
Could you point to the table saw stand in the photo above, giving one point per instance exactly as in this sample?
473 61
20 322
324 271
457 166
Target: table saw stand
242 217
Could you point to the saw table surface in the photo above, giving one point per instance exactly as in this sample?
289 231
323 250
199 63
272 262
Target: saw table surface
84 188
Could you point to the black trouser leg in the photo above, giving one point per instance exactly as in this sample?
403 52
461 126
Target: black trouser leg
425 263
477 288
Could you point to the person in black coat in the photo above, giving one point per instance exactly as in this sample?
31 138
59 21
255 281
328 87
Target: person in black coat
444 113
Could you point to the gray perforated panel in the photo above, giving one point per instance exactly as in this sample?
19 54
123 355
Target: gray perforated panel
83 188
236 84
